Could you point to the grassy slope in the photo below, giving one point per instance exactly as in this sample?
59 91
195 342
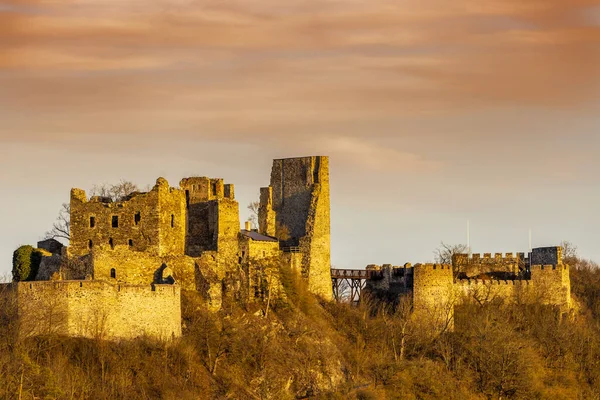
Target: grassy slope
305 348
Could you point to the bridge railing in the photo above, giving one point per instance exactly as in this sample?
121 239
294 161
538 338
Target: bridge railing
291 249
354 273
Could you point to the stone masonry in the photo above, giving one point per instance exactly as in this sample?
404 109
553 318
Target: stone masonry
436 289
134 255
97 309
295 208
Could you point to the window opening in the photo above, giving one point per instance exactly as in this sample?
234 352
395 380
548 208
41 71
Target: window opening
172 221
113 273
90 244
111 243
92 222
187 198
130 243
115 221
137 218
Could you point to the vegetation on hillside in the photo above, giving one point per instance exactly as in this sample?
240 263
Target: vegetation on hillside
304 348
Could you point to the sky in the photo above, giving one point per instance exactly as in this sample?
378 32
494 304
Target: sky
433 112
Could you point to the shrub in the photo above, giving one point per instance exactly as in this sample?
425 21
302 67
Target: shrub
26 262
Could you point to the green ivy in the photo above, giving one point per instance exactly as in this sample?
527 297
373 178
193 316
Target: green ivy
26 263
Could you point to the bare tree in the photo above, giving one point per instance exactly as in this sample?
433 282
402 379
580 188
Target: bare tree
444 253
569 252
61 227
253 218
116 192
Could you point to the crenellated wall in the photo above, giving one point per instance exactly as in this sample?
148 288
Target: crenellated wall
496 265
436 289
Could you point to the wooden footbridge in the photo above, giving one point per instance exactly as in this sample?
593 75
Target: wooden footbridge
348 284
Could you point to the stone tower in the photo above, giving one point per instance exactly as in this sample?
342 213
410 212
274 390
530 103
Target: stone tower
213 221
295 209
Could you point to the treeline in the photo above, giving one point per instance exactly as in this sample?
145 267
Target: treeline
302 348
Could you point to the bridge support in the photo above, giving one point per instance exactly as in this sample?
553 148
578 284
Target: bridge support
349 280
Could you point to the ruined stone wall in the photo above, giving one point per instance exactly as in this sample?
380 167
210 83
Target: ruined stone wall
143 222
266 214
301 205
390 281
49 267
316 245
98 309
228 229
260 260
202 189
292 182
293 261
212 215
256 249
172 220
209 279
140 268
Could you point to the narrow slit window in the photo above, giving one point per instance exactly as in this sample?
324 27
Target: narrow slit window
113 273
130 243
214 189
115 221
92 222
111 243
187 198
172 221
90 244
137 218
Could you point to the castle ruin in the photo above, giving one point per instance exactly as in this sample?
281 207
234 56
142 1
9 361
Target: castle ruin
128 260
134 255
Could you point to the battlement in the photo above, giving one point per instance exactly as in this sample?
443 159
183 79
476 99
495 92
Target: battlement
492 282
478 258
433 267
548 268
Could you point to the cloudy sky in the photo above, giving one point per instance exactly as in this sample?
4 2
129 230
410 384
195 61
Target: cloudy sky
433 112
